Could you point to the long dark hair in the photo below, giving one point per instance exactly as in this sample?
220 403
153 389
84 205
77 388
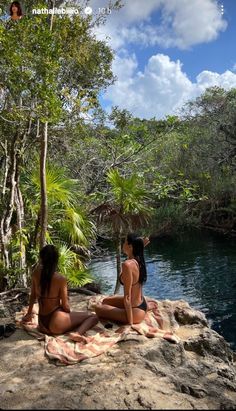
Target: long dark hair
138 252
49 259
19 9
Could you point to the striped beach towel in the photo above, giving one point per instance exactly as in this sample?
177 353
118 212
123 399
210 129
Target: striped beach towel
158 322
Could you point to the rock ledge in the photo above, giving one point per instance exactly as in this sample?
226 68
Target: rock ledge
197 373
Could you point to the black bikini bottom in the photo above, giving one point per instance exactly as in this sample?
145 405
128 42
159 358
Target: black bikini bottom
44 320
143 305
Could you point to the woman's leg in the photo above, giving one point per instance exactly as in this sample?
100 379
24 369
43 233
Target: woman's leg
110 312
115 301
138 315
90 322
118 314
79 322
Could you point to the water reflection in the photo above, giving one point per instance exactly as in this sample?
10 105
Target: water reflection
199 267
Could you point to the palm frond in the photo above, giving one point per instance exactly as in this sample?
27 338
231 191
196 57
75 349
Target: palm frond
60 188
106 212
80 278
72 267
74 226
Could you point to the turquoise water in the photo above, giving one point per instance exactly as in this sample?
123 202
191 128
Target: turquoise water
199 267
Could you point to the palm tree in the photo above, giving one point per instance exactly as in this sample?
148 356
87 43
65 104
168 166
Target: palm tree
72 267
125 209
68 226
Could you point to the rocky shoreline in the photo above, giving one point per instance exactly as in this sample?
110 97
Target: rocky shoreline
197 373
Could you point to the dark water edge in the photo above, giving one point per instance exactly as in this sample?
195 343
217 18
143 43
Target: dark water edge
198 266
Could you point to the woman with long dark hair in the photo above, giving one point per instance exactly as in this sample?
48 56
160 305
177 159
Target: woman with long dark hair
131 307
15 10
49 288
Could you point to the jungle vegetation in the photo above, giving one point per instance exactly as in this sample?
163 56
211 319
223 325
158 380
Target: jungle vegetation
70 171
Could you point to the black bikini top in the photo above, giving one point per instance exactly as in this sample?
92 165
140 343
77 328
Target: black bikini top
121 275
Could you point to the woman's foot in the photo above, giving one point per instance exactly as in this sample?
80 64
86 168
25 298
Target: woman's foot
169 336
74 336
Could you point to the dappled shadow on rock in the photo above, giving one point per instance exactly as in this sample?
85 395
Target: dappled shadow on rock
210 343
196 373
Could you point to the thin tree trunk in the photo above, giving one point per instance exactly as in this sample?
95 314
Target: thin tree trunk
6 169
4 255
11 185
20 223
34 240
38 221
7 197
52 5
44 203
118 262
43 159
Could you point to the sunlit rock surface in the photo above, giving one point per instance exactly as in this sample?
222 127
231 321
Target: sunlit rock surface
197 373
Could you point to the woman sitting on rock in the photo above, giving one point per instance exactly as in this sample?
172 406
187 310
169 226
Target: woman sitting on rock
131 307
50 289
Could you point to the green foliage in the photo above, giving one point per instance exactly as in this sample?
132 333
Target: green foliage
179 189
171 217
74 226
60 188
129 193
72 268
67 221
11 275
120 166
125 206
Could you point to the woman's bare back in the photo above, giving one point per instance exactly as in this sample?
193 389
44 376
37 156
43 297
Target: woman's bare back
136 290
52 300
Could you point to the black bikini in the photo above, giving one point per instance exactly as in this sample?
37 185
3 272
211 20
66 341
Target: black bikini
44 319
143 305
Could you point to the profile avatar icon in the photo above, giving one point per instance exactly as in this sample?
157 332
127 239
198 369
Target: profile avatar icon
15 10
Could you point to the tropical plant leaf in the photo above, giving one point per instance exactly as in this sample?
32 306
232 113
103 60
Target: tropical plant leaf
72 267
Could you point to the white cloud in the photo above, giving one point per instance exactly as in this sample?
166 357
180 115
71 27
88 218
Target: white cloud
183 23
133 10
161 88
191 22
226 80
234 67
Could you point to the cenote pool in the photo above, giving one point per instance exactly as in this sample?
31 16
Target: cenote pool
197 266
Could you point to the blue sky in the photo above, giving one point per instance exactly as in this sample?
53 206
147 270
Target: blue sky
168 52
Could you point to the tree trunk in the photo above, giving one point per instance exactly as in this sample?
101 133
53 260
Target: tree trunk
44 204
7 199
4 255
6 161
52 5
118 262
34 237
43 159
20 224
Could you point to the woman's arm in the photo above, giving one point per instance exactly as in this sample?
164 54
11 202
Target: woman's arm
146 241
64 296
32 301
127 281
